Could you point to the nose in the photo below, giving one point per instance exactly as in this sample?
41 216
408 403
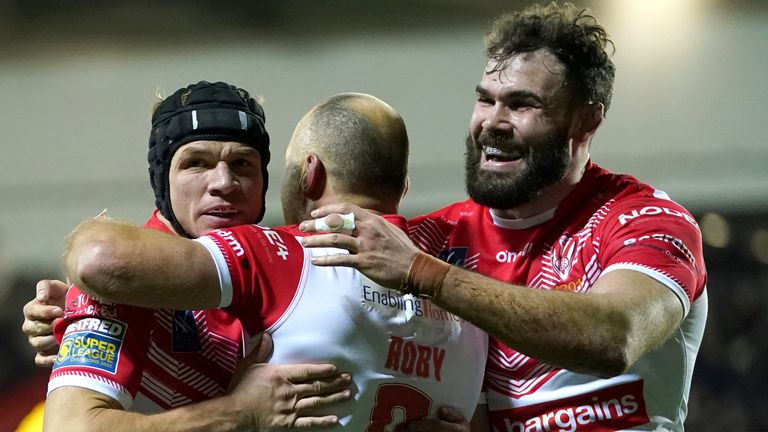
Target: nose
497 118
222 180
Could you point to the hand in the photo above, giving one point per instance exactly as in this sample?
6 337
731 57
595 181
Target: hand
448 419
39 316
285 396
380 250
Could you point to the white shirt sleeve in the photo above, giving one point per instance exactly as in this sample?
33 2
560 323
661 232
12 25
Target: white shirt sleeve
225 279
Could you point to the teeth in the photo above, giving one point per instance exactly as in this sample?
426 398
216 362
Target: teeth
492 151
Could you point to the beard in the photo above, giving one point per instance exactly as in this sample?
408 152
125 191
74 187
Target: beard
292 196
544 167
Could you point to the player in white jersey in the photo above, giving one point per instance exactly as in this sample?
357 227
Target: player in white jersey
406 356
596 296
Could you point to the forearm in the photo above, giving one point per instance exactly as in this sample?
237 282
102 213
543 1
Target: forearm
127 264
595 333
74 408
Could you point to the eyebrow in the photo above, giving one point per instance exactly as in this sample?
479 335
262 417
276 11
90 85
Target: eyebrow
514 94
197 152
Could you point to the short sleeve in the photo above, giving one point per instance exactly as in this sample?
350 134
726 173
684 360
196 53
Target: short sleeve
659 238
103 347
260 270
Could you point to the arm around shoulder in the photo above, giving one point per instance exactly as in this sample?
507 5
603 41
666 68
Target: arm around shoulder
123 263
603 332
80 409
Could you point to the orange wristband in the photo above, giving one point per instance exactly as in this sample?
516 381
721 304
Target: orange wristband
425 276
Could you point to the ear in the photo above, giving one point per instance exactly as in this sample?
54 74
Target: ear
588 118
407 186
314 176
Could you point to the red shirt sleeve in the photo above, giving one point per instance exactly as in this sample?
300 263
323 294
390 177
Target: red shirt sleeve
103 347
657 235
264 268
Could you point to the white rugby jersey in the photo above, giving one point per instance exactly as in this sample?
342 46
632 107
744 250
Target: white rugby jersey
406 356
608 222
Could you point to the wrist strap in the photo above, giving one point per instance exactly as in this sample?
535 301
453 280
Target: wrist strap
425 276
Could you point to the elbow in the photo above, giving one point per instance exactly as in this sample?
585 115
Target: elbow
618 355
92 268
614 363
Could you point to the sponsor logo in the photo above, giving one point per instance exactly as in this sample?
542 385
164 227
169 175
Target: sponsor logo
84 304
674 241
231 241
275 240
572 286
654 210
615 408
409 304
506 256
93 343
393 300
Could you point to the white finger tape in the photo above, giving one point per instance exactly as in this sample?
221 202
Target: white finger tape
347 224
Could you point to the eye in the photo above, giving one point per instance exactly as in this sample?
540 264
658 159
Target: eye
484 100
241 163
192 163
521 106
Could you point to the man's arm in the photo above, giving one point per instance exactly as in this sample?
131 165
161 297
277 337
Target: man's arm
123 263
601 333
263 398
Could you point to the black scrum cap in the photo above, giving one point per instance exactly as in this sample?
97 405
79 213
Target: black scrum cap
203 111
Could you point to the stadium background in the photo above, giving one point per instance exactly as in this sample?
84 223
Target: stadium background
78 78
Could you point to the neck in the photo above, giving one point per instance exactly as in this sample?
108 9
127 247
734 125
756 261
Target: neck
371 204
166 222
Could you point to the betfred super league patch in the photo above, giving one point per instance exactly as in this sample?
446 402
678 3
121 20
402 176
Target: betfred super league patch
93 343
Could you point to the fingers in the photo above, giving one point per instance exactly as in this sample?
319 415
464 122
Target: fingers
51 292
334 222
36 315
306 372
43 289
341 208
336 240
45 345
44 360
311 422
316 402
323 386
57 292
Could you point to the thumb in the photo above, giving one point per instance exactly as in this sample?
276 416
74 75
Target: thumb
262 349
57 291
42 291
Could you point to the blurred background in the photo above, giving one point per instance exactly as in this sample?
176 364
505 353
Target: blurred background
78 79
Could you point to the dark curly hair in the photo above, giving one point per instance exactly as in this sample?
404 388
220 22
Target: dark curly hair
571 34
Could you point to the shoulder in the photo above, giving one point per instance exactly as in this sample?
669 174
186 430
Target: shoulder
255 238
450 214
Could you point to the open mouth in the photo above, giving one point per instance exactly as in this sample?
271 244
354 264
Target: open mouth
494 154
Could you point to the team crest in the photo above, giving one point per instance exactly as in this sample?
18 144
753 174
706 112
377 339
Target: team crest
563 255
